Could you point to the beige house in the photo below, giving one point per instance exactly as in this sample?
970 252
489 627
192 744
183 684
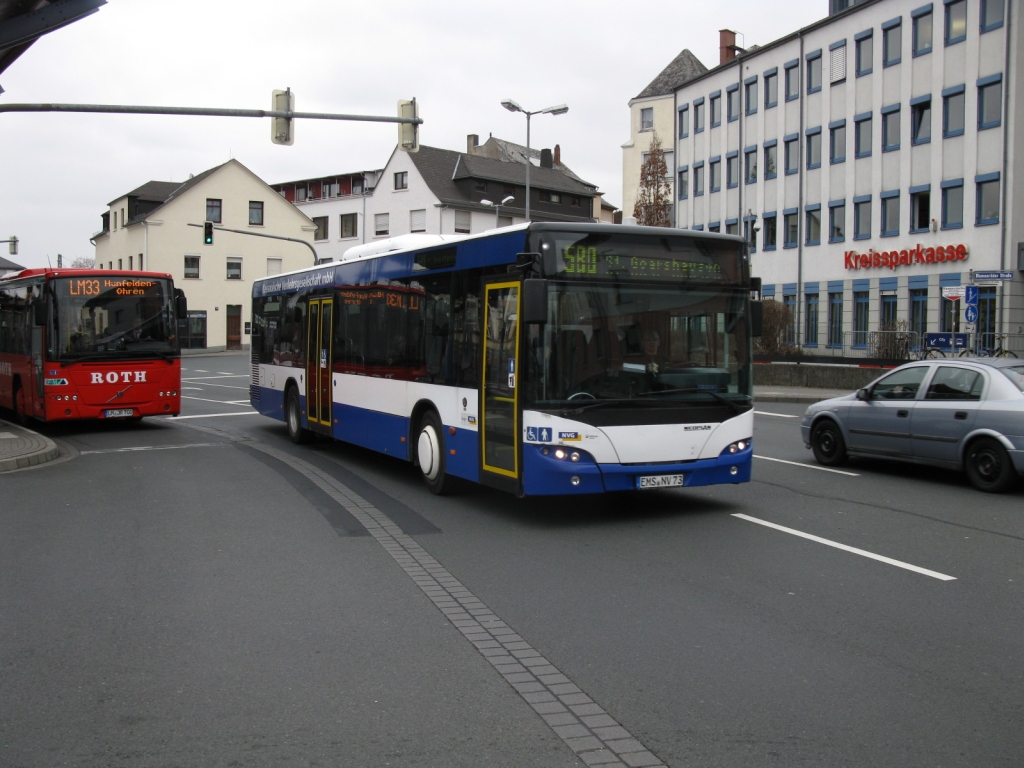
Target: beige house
148 229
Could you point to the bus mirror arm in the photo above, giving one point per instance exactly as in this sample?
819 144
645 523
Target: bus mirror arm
535 301
756 319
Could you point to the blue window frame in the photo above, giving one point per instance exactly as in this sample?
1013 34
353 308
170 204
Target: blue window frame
732 100
887 312
715 173
684 121
732 169
835 319
864 44
790 228
992 12
771 159
891 128
862 135
750 165
698 115
698 227
789 301
956 22
715 108
860 315
921 208
814 71
769 237
732 226
750 94
792 75
954 107
952 204
919 312
921 119
748 233
890 213
892 42
698 178
922 30
813 224
837 221
837 62
862 217
684 183
771 88
810 317
715 226
990 101
837 142
813 148
987 199
792 153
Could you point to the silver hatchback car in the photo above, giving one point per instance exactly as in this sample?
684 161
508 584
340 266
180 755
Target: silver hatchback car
960 414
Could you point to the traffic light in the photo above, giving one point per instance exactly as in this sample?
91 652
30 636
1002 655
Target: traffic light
208 233
408 133
12 246
282 131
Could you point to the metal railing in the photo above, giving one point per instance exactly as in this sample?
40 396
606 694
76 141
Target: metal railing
904 345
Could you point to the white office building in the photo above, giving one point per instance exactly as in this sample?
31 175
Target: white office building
874 158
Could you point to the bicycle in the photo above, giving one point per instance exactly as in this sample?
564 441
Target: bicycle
997 351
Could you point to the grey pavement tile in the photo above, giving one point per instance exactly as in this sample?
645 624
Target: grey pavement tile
597 721
528 686
548 708
563 688
539 697
571 731
625 745
520 677
640 759
611 732
508 669
572 699
584 743
553 679
562 718
588 709
600 757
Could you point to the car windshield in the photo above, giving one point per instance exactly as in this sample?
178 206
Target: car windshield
1015 373
608 345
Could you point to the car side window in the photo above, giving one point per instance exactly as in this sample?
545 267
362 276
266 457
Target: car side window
951 383
900 385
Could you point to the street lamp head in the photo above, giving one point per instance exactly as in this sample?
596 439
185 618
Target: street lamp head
511 106
561 109
508 200
486 202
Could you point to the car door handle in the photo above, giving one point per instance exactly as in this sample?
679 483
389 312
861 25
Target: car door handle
902 414
961 415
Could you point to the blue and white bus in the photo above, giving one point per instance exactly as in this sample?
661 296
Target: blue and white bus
540 359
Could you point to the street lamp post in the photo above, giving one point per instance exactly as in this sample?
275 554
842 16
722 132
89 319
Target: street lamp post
511 106
497 208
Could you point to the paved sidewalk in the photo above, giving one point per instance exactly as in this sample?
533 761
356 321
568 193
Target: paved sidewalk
21 448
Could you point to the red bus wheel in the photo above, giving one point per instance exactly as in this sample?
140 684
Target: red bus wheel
20 416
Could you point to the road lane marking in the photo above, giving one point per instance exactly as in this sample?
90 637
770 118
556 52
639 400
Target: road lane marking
215 415
808 466
210 384
221 402
845 548
780 415
225 376
152 448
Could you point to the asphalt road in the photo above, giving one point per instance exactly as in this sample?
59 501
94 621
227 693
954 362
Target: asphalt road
199 591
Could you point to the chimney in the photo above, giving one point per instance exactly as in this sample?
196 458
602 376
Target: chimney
472 142
558 155
726 45
545 158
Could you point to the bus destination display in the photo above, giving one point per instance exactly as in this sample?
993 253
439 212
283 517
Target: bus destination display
588 261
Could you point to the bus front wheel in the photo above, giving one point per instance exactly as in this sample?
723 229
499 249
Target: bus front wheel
293 417
20 415
430 454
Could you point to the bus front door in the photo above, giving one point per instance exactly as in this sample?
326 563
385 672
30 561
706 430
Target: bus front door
319 395
500 439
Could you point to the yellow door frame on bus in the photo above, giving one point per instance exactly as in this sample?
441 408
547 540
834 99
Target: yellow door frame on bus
319 363
500 432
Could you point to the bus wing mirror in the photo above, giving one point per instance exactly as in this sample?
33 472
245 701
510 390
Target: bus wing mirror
180 304
40 313
756 319
535 302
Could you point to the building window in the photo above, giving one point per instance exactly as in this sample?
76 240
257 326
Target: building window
750 166
750 94
792 82
647 119
732 102
892 42
921 120
837 143
991 14
860 318
357 185
811 320
836 222
837 63
715 175
213 210
988 199
835 319
463 220
953 111
349 225
862 136
402 180
732 170
887 312
418 220
547 196
120 264
715 226
891 128
749 234
789 302
684 184
321 227
234 268
890 214
949 319
771 89
920 209
769 238
192 267
987 315
953 204
698 180
732 227
256 213
862 219
791 229
274 266
684 122
956 22
771 157
814 148
865 52
813 224
814 73
990 101
792 156
382 224
922 32
698 116
715 108
919 313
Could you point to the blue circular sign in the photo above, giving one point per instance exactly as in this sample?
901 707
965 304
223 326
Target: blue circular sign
971 313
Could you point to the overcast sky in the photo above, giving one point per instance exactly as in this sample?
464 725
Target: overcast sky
459 59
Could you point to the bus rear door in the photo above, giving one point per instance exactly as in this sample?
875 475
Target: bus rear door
319 393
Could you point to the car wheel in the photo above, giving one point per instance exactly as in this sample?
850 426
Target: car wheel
989 467
827 443
293 417
430 454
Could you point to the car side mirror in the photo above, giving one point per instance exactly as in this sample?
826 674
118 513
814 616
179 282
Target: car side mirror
864 394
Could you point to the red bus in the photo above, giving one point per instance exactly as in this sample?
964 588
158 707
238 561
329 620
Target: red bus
89 344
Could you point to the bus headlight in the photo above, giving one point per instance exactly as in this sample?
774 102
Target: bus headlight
738 446
560 453
574 456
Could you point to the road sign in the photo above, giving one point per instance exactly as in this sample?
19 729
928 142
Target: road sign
971 313
971 294
993 275
953 292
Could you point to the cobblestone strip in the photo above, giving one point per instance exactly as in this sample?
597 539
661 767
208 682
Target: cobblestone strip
589 731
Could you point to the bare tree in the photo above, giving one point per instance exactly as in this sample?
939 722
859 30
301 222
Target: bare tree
777 330
83 262
653 198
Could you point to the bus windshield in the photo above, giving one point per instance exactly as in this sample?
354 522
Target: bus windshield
630 345
115 316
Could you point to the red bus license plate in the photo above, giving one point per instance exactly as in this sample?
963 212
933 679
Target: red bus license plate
659 481
118 413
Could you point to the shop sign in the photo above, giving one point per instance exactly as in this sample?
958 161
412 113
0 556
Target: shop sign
904 258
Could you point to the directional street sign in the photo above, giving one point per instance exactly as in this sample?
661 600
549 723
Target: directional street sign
993 275
971 313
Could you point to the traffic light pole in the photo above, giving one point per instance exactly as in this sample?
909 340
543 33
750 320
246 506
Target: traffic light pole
260 234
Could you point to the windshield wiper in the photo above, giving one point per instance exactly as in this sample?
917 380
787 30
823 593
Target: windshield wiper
739 408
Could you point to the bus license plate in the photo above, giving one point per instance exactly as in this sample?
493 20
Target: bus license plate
659 481
118 413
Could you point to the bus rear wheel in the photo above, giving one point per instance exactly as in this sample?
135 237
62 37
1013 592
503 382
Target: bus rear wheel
430 454
20 415
293 417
